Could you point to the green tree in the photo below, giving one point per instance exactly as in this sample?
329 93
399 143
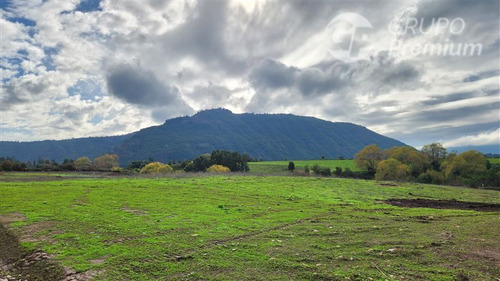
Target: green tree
431 176
436 154
392 169
83 164
417 161
106 162
201 163
369 157
466 165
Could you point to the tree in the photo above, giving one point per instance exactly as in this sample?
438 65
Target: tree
291 166
156 168
417 161
201 163
392 169
338 171
233 160
137 164
431 176
106 162
369 157
218 169
466 165
436 154
83 164
321 171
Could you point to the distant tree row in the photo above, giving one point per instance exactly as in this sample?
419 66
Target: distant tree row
106 162
219 161
432 164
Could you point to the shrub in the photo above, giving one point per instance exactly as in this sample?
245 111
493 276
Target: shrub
321 171
218 169
392 169
431 176
338 171
83 164
156 168
467 165
106 162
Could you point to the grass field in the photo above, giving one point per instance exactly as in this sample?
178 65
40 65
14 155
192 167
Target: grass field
281 167
494 160
250 228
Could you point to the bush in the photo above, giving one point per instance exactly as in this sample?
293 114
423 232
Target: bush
156 168
431 176
218 169
321 171
106 162
338 171
392 169
83 164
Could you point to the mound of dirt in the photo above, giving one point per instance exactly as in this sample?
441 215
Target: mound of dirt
444 204
16 263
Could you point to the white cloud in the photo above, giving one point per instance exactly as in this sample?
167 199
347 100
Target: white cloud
486 138
203 55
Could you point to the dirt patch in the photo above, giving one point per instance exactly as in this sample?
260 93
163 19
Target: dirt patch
483 255
135 212
20 264
12 217
444 204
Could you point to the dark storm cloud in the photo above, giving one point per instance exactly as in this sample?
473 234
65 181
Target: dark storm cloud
271 74
141 87
379 74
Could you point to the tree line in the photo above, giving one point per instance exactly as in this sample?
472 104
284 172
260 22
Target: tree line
432 164
217 161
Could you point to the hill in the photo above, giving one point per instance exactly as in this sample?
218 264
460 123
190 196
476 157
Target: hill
59 150
264 136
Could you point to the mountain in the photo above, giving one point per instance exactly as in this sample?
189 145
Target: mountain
59 150
265 136
486 149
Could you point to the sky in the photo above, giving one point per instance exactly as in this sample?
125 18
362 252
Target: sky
417 71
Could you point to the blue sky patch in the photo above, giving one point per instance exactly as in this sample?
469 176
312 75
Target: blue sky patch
87 89
88 6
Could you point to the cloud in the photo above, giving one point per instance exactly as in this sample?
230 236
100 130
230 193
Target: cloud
141 87
486 138
344 81
78 68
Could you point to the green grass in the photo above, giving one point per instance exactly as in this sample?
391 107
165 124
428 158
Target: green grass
253 228
281 167
494 160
